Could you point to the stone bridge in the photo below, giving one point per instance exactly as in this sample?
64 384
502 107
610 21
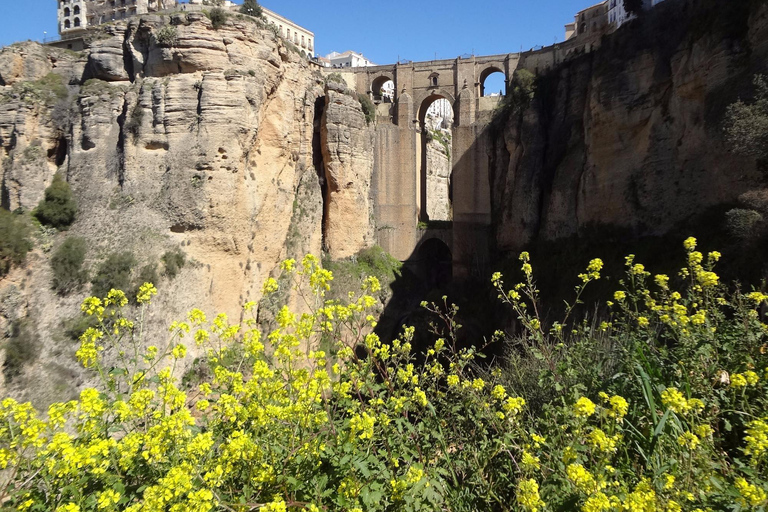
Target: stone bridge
400 164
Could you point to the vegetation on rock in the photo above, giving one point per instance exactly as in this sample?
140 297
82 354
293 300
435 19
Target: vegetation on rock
114 273
173 261
369 109
251 8
67 265
218 17
14 240
21 348
58 208
746 124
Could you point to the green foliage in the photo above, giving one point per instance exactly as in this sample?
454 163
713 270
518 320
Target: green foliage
520 93
743 224
114 272
167 35
252 8
15 242
133 125
218 17
335 77
74 327
58 209
663 405
746 124
20 349
48 90
633 6
173 261
369 109
67 265
96 87
443 138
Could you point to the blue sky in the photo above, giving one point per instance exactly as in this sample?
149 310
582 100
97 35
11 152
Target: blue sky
383 31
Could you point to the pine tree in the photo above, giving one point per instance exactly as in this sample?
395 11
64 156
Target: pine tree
251 8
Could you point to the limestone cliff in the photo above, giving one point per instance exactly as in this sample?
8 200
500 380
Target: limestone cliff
174 134
347 143
631 135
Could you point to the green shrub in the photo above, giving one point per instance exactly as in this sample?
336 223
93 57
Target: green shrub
20 349
369 109
67 265
15 240
218 17
743 224
335 77
58 209
746 124
173 261
168 35
76 326
252 8
115 272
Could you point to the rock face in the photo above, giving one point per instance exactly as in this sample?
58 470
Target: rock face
175 135
631 135
347 143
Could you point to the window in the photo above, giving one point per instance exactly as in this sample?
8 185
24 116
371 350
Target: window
77 22
66 11
303 44
281 30
76 10
66 24
289 33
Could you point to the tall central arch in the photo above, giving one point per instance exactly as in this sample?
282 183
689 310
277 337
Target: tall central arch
436 120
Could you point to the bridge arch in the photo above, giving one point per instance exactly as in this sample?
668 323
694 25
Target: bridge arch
428 99
488 72
435 153
435 262
382 82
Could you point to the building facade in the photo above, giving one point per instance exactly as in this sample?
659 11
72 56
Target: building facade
348 59
77 15
297 34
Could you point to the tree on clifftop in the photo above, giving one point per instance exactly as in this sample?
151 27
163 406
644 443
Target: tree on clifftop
633 6
252 8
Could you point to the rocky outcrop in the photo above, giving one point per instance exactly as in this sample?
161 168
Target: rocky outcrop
172 135
631 135
347 143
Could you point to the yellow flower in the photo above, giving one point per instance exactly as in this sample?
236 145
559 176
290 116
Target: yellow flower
688 440
674 399
689 243
530 461
642 321
750 494
528 496
584 407
69 507
146 291
619 296
179 351
581 478
738 380
596 503
619 407
108 499
756 438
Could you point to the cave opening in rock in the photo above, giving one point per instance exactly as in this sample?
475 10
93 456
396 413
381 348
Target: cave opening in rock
317 159
5 196
58 153
436 118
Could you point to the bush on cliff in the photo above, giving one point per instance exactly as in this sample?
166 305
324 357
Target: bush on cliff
676 420
67 265
369 109
114 272
21 348
14 240
252 8
218 17
58 208
746 124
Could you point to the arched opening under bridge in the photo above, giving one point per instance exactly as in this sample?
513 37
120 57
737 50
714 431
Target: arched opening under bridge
493 82
436 117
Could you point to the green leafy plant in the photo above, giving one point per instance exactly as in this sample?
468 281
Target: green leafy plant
67 265
58 208
746 124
